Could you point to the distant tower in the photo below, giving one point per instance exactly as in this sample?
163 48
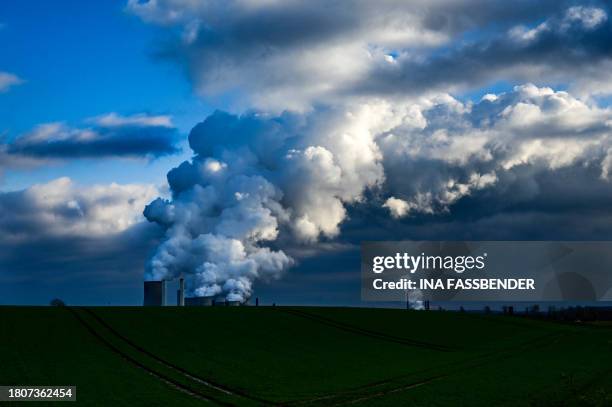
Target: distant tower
180 294
154 293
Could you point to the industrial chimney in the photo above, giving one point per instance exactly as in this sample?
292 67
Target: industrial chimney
180 294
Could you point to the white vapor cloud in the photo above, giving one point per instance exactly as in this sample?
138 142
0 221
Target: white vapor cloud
589 17
293 174
110 135
143 120
397 207
445 150
8 80
61 209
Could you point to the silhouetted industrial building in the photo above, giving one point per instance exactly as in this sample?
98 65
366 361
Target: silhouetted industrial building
210 301
154 293
199 301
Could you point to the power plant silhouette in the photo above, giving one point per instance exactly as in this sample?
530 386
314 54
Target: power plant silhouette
155 296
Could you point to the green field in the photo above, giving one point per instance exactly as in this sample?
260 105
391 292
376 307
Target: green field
304 357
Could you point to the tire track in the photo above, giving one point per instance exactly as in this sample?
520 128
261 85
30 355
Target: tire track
346 397
471 364
167 380
361 393
391 391
240 393
185 373
365 332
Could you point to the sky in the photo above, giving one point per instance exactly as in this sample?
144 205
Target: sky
250 146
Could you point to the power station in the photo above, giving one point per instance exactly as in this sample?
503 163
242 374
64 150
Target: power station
155 296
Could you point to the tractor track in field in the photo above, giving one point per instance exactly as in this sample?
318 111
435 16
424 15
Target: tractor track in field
165 379
368 333
390 391
239 393
183 372
232 392
351 396
365 396
481 360
354 396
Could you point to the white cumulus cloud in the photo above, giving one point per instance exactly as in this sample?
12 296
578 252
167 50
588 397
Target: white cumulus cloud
62 208
8 80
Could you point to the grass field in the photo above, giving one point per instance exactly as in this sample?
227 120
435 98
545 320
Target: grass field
304 357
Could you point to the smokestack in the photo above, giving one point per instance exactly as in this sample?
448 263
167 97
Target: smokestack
180 294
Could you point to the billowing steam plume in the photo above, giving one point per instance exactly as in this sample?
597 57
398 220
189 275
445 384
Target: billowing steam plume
256 178
252 178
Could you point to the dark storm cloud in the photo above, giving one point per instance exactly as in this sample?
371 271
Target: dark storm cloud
560 49
533 204
301 24
530 202
292 55
96 256
65 240
79 269
108 136
290 21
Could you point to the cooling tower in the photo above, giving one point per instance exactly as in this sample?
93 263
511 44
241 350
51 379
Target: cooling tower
154 293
